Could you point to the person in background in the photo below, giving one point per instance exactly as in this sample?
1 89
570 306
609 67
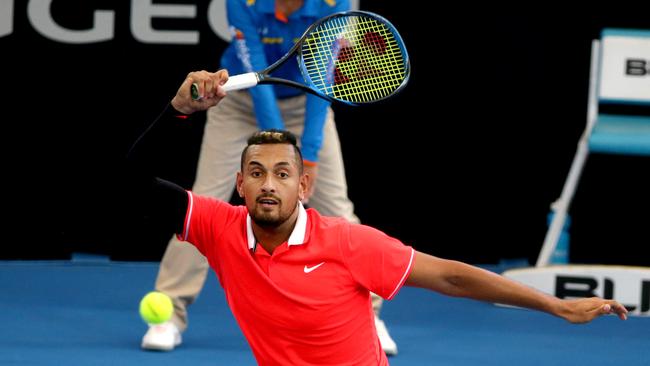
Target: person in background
263 31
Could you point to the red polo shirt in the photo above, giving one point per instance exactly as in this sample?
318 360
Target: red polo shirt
308 303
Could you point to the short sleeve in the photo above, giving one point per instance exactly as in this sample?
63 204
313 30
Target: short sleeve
205 221
377 261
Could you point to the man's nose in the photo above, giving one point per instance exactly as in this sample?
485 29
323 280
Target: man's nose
269 184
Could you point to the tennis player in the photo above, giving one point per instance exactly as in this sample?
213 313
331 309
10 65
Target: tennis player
263 31
299 283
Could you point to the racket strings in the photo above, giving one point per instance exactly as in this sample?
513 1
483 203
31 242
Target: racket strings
374 65
354 58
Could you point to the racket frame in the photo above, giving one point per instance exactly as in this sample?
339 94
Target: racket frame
250 79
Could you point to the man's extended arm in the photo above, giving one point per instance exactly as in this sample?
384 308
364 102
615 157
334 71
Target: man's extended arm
462 280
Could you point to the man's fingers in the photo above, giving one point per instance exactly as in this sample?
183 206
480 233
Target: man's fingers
219 78
200 84
614 307
607 309
619 309
222 76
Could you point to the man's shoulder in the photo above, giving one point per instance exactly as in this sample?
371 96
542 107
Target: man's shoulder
211 204
326 222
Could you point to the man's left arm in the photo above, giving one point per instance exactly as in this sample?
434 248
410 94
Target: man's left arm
459 279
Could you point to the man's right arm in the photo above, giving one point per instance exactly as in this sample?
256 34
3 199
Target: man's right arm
150 195
164 200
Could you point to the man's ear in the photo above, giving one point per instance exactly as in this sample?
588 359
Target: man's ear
240 181
304 183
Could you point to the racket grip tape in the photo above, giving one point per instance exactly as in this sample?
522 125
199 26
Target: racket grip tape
237 82
194 91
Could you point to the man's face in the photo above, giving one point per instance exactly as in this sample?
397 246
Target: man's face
270 183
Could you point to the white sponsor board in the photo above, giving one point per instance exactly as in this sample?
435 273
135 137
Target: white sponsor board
625 66
628 285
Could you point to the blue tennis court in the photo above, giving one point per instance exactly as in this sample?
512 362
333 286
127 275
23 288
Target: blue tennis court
84 312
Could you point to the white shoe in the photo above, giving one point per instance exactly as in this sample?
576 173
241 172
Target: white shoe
387 343
162 337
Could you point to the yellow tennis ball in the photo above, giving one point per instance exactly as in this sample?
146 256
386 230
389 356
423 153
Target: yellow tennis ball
156 307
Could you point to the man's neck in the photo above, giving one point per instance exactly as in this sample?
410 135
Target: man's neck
271 238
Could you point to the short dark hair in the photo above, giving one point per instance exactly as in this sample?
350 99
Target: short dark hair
274 136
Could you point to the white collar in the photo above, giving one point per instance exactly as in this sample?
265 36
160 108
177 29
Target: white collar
297 236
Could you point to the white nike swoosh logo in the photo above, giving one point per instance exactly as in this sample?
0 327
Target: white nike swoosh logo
309 269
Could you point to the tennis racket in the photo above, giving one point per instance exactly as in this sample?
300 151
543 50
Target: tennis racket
353 57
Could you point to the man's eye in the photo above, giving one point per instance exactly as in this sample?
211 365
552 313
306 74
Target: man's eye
283 175
256 174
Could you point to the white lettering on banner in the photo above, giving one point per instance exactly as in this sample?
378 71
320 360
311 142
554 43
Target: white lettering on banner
6 18
38 12
142 11
103 25
243 53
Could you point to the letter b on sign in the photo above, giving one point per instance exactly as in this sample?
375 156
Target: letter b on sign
636 67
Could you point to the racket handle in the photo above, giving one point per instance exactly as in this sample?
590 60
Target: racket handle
237 82
241 81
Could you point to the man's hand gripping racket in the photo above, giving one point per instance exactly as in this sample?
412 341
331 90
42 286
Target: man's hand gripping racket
353 57
209 83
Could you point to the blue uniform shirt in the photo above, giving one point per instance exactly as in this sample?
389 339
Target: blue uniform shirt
259 38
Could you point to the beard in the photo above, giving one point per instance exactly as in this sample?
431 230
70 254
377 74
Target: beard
271 219
267 219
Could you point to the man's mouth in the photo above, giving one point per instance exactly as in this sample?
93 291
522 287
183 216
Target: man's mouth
267 201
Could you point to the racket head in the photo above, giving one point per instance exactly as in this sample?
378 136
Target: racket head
354 57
